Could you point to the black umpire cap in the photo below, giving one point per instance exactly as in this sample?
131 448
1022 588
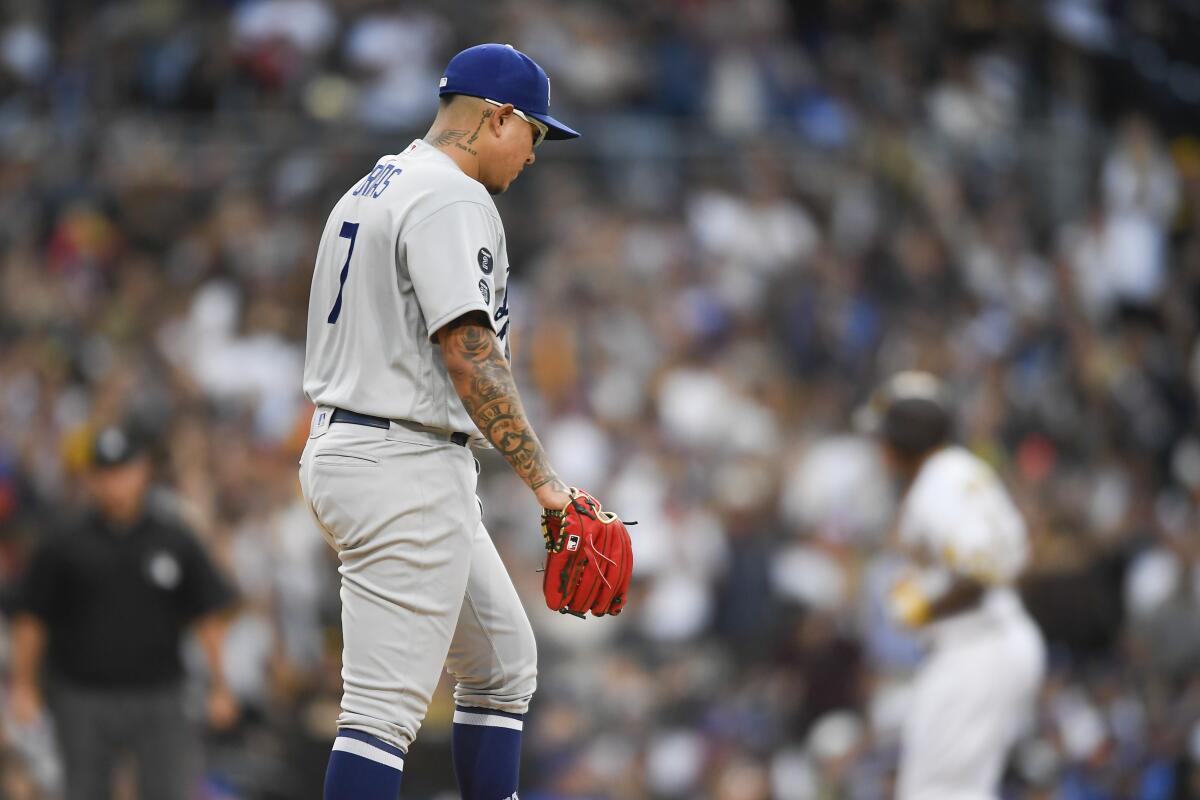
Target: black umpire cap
114 447
910 411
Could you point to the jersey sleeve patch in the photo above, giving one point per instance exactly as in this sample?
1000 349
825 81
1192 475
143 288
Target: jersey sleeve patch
444 254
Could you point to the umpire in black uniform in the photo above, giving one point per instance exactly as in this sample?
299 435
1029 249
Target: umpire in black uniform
107 601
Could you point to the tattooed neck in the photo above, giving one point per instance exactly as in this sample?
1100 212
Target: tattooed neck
445 137
454 136
487 112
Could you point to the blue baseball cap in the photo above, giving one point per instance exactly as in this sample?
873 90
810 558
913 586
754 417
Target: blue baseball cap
503 73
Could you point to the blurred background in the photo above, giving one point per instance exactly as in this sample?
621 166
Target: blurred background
775 204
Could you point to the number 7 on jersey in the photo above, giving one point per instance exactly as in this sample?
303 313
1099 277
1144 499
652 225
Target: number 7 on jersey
349 231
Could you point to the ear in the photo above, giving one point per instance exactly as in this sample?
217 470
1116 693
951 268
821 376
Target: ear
500 116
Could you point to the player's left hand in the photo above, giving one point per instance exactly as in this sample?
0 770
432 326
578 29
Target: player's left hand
553 495
589 558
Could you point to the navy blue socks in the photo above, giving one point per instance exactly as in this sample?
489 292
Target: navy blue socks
487 753
362 767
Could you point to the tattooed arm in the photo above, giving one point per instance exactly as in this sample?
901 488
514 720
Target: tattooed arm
475 359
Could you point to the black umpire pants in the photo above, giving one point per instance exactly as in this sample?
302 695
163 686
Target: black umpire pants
97 727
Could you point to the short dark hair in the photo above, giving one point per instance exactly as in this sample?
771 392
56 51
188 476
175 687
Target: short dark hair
915 425
910 412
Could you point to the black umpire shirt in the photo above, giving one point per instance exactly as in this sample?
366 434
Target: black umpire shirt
116 603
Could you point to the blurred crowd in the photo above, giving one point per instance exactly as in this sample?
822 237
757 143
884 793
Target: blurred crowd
774 205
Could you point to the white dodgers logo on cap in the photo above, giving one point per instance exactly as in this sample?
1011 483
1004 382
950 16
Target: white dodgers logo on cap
442 83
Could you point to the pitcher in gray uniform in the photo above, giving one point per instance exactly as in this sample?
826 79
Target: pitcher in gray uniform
407 365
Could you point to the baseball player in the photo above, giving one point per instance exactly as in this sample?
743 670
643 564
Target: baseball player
967 543
406 363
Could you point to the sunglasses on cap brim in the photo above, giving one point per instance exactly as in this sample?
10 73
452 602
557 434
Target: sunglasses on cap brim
537 124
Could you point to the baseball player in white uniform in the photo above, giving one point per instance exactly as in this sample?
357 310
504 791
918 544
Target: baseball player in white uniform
968 545
406 362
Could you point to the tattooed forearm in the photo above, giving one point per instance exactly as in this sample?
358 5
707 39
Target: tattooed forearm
475 359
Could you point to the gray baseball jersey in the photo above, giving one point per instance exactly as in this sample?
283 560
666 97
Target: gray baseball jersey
413 245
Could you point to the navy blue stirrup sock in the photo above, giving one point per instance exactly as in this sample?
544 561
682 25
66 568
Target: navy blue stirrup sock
363 767
487 753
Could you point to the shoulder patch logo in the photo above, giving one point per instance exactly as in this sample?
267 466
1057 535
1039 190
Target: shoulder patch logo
486 291
486 262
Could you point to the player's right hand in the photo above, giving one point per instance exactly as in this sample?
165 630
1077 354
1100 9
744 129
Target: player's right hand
223 711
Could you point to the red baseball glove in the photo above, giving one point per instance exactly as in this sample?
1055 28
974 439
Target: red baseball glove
589 558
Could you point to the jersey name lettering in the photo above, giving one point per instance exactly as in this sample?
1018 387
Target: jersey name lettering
380 179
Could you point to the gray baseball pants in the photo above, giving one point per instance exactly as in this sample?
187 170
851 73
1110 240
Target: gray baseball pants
422 586
95 727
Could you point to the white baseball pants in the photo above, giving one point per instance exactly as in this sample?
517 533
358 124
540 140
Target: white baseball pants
970 700
422 585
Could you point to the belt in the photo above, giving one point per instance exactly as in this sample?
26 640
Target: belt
354 418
